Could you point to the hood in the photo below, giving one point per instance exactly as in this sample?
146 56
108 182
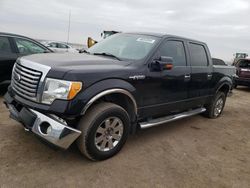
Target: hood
75 61
82 67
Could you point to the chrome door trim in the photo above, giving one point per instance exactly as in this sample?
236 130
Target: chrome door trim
110 91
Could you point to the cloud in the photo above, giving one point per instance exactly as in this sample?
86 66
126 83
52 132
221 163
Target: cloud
223 24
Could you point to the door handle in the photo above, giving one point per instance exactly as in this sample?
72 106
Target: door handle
209 76
187 77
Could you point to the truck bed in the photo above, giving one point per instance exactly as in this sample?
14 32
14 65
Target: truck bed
227 70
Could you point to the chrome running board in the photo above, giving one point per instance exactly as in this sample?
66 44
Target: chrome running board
170 118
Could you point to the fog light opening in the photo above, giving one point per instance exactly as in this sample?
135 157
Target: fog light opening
45 128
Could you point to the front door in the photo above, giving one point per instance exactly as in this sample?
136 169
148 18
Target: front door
167 90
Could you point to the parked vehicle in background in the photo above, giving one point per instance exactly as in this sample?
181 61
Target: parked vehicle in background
239 56
104 35
217 61
123 83
59 46
13 46
242 72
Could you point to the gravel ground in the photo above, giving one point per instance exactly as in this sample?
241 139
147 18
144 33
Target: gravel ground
193 152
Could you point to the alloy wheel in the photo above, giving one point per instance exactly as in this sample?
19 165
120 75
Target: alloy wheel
108 134
218 107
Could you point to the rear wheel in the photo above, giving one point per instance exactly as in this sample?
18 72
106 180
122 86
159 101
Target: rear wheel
105 129
216 106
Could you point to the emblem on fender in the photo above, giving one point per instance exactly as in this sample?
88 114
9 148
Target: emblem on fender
137 77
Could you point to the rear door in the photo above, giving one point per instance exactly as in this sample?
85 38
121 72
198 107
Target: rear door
7 58
201 72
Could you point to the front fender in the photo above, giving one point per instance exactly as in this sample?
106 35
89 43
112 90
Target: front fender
80 104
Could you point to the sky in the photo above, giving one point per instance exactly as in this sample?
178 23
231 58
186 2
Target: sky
223 24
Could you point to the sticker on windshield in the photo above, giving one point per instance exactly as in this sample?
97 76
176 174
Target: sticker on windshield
151 41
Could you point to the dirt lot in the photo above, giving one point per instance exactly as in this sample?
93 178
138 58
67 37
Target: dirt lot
193 152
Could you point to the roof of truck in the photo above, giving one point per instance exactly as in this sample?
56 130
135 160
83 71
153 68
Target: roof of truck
163 35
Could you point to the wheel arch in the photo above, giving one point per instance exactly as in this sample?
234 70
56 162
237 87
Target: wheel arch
224 85
112 94
117 91
225 88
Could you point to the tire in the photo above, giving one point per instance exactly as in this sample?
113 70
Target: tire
212 110
102 124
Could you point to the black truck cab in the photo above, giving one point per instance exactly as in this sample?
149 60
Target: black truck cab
126 82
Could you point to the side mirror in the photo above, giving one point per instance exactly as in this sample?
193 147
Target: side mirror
163 63
91 42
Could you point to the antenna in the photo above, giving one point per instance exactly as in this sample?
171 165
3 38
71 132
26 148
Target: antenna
69 26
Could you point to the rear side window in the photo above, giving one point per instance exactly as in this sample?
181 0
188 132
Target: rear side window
198 55
174 49
62 46
5 47
53 45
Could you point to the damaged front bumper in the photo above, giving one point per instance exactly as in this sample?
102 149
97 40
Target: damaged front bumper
49 127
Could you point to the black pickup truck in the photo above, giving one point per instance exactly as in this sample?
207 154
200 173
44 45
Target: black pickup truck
127 82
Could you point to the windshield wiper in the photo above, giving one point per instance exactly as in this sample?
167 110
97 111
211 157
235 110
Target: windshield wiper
107 54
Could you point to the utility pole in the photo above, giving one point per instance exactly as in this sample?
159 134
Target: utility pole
69 26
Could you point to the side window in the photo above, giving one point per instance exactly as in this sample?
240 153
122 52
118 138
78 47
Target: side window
5 47
53 45
28 47
198 55
174 49
62 45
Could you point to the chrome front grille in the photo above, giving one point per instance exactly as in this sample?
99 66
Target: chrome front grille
25 81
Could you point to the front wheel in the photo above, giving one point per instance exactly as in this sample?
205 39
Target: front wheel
105 129
216 106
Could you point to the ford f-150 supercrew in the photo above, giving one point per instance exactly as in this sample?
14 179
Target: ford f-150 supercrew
126 82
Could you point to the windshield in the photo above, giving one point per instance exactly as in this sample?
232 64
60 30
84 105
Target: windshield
244 64
125 46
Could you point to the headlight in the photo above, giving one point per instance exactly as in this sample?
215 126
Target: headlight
60 89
